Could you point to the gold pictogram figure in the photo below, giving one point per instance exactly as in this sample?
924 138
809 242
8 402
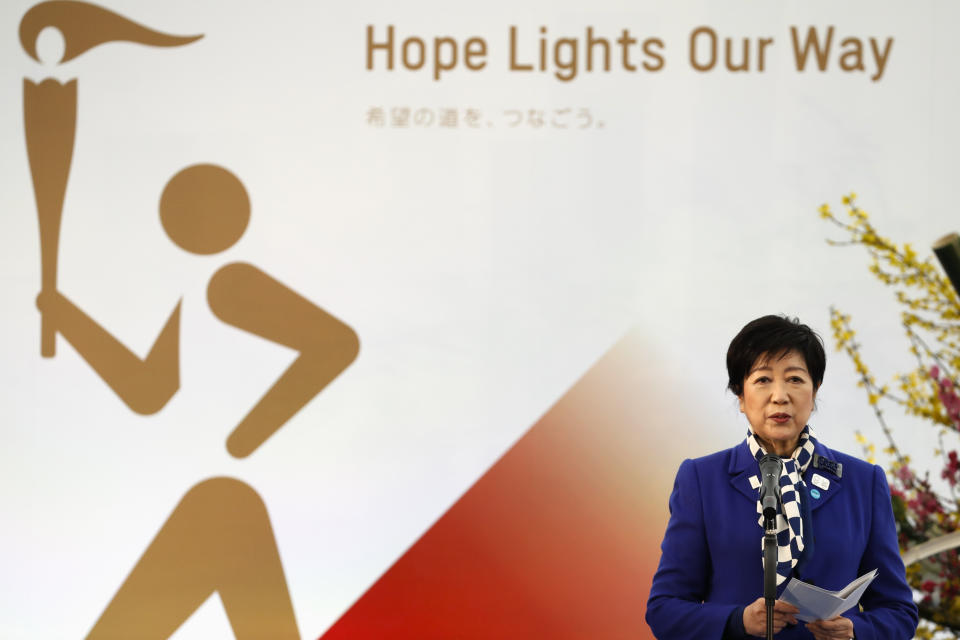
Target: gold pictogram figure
219 537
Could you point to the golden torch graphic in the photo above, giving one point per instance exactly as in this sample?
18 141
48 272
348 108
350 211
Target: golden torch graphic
50 116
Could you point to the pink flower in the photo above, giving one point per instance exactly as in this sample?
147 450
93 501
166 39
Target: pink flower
951 472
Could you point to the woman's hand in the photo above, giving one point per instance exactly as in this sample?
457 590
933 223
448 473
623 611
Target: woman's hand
755 618
838 628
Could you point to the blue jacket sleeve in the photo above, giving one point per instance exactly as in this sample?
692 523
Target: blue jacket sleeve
889 612
675 609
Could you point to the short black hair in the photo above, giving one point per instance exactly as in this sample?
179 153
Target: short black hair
774 337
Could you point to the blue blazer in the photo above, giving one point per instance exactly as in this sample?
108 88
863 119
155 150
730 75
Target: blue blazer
712 558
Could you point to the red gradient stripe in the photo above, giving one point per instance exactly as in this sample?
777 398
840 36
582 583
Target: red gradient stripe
558 539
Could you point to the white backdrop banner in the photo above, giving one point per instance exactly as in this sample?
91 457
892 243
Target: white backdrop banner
282 280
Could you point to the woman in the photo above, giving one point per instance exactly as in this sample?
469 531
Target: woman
839 522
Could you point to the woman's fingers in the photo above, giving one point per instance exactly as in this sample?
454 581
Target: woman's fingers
838 628
785 611
755 616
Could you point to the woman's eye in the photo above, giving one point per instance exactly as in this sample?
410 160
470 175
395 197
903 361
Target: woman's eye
762 379
797 379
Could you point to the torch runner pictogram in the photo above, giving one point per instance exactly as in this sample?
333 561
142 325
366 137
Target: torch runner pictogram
219 538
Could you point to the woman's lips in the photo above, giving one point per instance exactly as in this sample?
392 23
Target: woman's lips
780 418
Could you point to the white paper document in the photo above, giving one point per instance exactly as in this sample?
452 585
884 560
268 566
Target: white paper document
815 603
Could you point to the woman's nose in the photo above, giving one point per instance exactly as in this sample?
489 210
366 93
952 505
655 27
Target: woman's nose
779 392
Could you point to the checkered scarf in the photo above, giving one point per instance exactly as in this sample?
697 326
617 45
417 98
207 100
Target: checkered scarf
789 522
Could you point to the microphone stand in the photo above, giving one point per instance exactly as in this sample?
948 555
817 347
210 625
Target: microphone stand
770 570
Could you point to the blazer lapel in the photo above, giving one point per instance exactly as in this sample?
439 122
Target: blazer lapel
743 466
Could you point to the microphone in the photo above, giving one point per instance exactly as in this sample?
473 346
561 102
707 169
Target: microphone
770 466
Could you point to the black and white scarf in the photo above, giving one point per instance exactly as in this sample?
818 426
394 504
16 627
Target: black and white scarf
792 486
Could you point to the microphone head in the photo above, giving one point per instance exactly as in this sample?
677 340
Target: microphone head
771 463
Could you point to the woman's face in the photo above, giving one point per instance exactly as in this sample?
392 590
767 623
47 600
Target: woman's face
777 399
